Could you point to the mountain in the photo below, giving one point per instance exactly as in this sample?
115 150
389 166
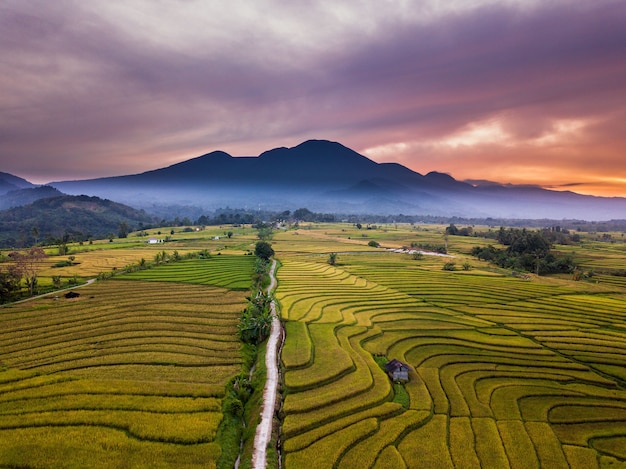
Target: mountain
329 177
16 198
8 182
81 217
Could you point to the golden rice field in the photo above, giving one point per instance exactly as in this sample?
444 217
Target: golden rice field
89 260
89 264
130 374
505 372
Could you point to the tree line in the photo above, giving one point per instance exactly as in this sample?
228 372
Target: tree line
526 250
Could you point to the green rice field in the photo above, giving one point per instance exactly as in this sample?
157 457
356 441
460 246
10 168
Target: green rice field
228 271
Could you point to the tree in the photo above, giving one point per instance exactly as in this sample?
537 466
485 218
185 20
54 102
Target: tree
452 230
254 328
332 258
256 321
123 230
303 214
261 269
263 250
27 265
9 283
262 302
264 232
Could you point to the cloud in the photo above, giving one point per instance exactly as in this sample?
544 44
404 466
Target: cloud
101 88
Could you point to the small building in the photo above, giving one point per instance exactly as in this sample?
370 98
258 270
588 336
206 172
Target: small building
154 241
397 370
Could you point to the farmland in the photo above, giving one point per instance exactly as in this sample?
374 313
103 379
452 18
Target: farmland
131 373
228 271
506 371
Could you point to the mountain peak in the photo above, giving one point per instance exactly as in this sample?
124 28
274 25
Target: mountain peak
324 176
312 155
316 144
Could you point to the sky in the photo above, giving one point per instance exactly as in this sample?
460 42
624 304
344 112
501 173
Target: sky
513 91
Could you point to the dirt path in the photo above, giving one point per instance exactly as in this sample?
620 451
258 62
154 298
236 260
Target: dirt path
56 292
264 430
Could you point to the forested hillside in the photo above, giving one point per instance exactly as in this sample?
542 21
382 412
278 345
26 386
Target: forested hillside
75 218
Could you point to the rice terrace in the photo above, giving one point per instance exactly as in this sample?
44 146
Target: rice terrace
149 366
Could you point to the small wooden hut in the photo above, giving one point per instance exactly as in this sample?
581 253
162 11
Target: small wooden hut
397 370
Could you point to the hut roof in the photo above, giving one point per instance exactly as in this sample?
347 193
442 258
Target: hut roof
394 365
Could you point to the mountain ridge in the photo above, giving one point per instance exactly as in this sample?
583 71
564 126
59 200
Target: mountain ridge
321 175
19 197
9 182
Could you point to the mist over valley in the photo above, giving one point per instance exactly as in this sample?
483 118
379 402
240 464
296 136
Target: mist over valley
326 176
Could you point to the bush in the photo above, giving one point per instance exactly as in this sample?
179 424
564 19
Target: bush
234 406
374 244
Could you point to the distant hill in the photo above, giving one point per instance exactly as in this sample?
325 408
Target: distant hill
8 182
20 197
81 217
329 177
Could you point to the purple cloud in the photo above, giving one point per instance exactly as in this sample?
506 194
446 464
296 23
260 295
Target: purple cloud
93 89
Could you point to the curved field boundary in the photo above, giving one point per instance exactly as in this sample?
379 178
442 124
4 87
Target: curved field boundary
127 373
491 356
228 271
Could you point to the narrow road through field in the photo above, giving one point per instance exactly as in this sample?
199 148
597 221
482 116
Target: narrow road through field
88 282
264 430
